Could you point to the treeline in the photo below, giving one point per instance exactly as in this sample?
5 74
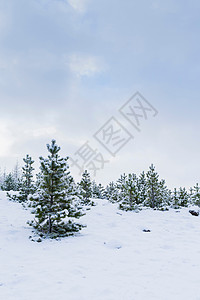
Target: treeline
56 200
134 192
10 181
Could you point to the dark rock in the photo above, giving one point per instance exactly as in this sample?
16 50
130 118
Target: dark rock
194 213
146 230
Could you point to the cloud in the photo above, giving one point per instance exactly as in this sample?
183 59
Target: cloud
7 139
85 65
79 5
5 21
165 6
42 132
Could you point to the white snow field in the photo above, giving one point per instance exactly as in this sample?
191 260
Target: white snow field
111 259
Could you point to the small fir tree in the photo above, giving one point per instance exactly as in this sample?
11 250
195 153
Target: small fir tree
53 202
183 197
17 176
153 193
195 196
111 192
9 183
142 188
27 185
120 185
165 195
175 199
85 188
101 191
97 190
130 199
157 193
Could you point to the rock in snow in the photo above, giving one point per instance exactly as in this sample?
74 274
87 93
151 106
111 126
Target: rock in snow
194 213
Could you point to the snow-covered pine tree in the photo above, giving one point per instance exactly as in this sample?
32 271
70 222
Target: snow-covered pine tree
1 178
111 192
9 183
85 189
17 176
101 191
53 202
72 187
165 195
26 186
155 189
130 198
175 199
97 190
195 197
38 180
120 185
183 197
152 188
190 194
142 188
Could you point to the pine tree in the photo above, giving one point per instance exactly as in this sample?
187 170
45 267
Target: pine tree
101 191
175 199
26 186
195 197
27 178
17 176
9 183
1 178
111 192
53 202
142 188
120 185
183 197
71 186
152 188
130 199
165 195
97 190
38 180
156 190
85 187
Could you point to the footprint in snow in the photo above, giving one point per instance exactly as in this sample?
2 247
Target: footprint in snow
113 244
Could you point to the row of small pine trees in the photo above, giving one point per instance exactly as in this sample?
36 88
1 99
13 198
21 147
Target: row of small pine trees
57 201
147 190
134 192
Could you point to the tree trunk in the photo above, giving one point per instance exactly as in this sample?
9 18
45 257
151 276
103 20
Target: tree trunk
130 198
50 225
153 198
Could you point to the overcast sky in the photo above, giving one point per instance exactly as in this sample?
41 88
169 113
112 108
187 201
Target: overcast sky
67 66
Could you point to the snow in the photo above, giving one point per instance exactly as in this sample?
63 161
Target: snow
111 259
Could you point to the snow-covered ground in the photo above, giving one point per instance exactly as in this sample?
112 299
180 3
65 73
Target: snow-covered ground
112 259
